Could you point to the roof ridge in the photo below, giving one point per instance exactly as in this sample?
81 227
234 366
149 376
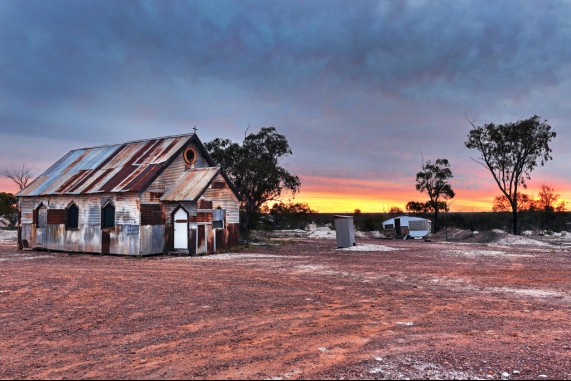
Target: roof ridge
134 141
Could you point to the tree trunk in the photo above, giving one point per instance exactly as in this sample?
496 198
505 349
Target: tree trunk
435 220
514 219
247 222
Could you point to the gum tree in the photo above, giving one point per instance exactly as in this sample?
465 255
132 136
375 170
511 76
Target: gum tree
510 152
254 168
433 179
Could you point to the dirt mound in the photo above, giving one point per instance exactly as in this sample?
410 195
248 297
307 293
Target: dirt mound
452 234
493 237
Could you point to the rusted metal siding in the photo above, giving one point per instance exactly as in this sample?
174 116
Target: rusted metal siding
88 237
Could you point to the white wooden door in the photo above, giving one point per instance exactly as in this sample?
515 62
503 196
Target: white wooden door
181 229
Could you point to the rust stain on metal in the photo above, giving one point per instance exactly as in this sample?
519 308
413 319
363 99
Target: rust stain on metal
117 178
143 152
97 181
144 177
167 151
71 181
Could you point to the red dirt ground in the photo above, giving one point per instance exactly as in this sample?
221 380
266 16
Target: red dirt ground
300 310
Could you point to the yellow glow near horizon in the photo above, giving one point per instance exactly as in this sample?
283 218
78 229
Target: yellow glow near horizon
331 195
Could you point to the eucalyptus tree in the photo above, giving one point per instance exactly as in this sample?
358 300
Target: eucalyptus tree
510 152
254 168
433 179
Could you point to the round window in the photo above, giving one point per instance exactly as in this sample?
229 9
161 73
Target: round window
189 155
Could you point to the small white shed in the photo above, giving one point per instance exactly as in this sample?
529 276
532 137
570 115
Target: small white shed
402 226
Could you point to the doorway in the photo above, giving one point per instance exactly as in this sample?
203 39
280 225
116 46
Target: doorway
180 229
397 227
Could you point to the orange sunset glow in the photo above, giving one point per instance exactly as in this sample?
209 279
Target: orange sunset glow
342 195
331 195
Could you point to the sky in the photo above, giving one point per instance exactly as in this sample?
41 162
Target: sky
362 90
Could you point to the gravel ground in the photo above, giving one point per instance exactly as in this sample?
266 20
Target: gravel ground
302 310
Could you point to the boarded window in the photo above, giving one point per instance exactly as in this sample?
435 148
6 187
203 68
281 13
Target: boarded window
108 216
201 217
72 217
151 214
203 204
389 226
56 216
218 185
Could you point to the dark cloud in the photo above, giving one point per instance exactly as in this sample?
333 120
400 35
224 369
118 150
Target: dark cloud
362 89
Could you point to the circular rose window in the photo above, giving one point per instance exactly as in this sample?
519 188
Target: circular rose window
189 155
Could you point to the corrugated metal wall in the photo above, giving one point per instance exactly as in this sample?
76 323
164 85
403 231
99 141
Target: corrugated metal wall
124 239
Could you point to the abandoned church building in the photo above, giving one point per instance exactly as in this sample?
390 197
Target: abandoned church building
137 198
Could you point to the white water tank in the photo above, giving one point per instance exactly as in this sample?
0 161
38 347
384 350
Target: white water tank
344 231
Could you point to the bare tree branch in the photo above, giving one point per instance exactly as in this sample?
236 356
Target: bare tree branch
21 176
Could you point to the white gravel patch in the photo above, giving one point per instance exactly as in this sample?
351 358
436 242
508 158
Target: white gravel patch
18 258
8 235
485 253
322 234
368 247
537 293
230 256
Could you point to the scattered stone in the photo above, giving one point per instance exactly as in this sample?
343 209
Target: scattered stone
376 370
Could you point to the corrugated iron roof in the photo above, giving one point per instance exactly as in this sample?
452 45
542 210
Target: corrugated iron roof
191 184
127 167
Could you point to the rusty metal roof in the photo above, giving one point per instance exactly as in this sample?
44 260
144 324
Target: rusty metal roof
191 185
127 167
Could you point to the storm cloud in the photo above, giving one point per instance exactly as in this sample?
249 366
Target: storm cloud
361 89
